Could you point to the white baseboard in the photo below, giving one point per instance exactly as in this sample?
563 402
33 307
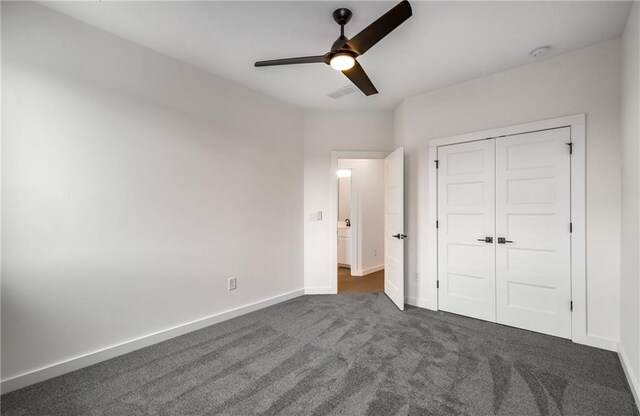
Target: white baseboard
372 269
95 357
420 303
319 291
600 342
590 340
631 377
365 272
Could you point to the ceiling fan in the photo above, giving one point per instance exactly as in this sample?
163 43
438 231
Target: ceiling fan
344 51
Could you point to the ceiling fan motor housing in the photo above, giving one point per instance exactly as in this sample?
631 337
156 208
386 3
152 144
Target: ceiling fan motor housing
340 45
342 16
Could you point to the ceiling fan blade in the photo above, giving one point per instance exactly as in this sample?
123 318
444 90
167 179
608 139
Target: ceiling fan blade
377 30
289 61
357 75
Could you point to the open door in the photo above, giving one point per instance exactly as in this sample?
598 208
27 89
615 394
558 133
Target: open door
394 227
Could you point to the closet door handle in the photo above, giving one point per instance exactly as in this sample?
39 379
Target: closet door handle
486 239
503 240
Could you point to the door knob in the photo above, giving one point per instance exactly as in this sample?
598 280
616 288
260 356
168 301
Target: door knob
502 240
399 236
486 239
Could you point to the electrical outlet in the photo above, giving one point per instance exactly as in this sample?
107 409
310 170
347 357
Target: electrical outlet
232 283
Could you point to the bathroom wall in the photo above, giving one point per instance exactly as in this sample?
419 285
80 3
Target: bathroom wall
344 198
367 184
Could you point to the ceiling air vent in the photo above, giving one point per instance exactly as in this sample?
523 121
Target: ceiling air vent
341 92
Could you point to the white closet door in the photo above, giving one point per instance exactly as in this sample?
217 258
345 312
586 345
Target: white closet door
466 266
533 265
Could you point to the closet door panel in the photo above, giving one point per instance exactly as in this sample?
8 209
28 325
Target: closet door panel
533 259
466 266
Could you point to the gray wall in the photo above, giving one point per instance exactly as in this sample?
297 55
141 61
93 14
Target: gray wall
629 277
583 81
133 186
358 130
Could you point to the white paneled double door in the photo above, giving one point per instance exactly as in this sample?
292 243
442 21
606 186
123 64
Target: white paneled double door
504 241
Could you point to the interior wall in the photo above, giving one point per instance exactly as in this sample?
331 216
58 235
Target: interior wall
583 81
367 181
630 244
133 187
324 132
344 198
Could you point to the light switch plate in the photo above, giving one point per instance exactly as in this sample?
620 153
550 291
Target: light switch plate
315 216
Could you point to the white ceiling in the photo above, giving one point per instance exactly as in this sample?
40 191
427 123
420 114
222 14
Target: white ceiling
444 43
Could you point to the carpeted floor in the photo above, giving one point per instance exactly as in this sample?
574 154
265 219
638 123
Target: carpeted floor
343 355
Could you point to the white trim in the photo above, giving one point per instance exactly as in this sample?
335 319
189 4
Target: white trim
333 213
577 123
634 384
356 231
600 342
431 278
370 270
552 123
579 326
95 357
319 291
420 303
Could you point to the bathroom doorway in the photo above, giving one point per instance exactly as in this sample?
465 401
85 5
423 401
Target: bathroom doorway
360 235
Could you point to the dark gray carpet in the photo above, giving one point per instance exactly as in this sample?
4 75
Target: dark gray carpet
350 354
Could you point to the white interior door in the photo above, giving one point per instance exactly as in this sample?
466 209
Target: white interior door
466 249
533 264
394 227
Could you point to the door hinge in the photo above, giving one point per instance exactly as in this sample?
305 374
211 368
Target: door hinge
571 306
437 224
437 163
570 227
570 148
437 284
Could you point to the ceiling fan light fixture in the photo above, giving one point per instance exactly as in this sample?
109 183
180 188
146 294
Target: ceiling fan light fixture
343 52
342 62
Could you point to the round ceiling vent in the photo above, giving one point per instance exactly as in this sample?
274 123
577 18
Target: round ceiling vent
541 51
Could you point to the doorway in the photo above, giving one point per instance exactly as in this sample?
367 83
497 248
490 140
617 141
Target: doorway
534 175
393 232
360 225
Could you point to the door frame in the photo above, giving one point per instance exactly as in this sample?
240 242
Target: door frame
577 124
356 232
